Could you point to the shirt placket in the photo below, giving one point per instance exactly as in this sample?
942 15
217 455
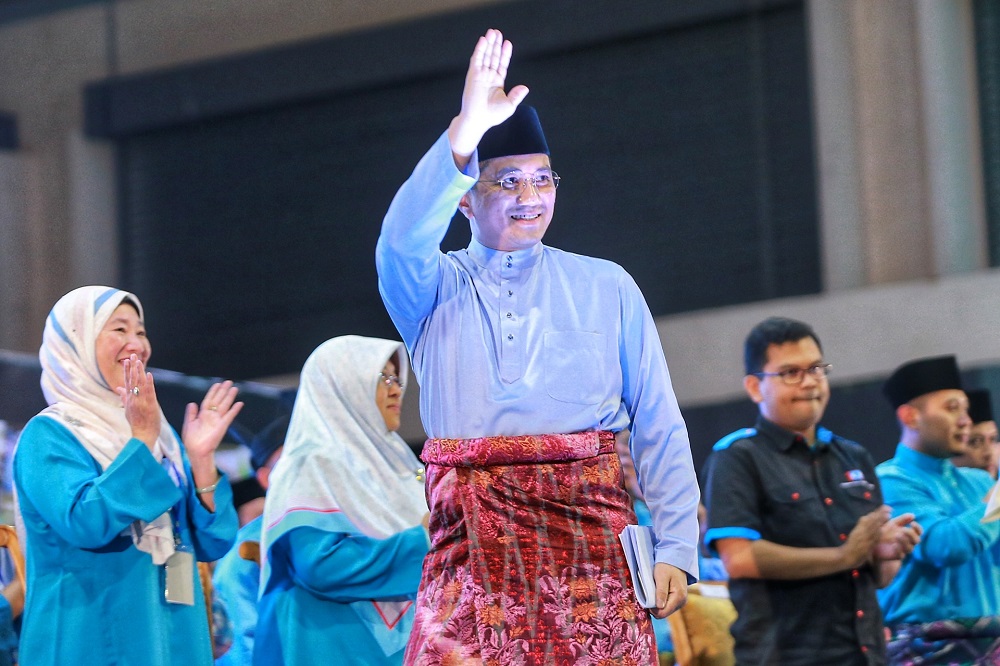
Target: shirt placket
828 469
511 337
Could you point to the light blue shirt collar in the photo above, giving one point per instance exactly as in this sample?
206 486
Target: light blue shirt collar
491 259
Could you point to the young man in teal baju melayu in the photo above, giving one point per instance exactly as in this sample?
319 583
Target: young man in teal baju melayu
952 578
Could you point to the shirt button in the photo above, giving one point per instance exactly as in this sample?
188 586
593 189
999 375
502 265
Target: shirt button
510 316
868 495
860 613
843 537
510 293
795 496
855 573
510 337
864 649
828 501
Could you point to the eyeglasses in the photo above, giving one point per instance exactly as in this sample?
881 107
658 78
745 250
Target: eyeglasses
389 380
515 182
793 376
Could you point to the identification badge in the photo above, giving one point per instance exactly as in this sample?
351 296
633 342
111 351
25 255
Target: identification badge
179 587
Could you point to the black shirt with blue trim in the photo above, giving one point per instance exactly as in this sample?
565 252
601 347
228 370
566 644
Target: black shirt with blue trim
768 483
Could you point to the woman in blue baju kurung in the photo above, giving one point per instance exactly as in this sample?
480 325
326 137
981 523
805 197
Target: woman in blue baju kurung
115 508
345 516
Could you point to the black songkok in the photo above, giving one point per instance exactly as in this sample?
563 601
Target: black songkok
980 407
916 378
521 134
267 441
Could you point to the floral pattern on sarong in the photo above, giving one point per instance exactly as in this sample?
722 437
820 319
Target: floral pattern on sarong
961 641
525 566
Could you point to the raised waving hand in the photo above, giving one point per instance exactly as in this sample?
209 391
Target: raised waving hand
485 104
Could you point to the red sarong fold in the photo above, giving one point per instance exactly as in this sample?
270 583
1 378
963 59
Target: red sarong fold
525 566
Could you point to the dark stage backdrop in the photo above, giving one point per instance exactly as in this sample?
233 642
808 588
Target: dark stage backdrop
252 189
986 16
8 131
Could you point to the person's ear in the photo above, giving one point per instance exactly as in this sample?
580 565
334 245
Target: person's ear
465 205
908 415
751 384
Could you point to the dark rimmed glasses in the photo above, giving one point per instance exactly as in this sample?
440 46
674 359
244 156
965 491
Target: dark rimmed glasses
793 376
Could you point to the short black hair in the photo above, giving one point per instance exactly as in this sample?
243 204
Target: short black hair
773 331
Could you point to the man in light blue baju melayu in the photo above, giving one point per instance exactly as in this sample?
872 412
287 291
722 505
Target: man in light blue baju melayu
524 350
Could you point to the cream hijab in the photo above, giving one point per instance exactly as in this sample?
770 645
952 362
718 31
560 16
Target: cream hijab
338 453
80 399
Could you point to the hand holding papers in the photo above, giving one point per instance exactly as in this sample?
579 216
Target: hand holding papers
637 541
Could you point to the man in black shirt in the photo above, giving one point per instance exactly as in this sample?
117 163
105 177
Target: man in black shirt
796 514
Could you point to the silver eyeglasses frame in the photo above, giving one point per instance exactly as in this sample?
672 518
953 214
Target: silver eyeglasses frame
389 380
516 182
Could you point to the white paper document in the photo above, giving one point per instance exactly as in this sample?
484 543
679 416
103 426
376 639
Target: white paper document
637 541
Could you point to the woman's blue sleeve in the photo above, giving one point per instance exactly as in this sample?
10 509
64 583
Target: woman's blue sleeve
350 567
88 507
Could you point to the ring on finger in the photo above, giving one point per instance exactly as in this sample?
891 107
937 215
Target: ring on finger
212 408
135 390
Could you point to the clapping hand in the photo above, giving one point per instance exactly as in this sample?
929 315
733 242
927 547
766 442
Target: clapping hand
898 537
205 425
863 539
142 411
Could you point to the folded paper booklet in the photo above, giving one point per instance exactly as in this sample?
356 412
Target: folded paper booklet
637 541
992 506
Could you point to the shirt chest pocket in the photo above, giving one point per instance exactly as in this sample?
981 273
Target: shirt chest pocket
574 366
796 514
792 497
861 494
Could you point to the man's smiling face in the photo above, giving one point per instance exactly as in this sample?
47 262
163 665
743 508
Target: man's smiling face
508 220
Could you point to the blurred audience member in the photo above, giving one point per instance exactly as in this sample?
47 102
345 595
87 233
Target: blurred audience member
711 568
11 607
237 580
982 450
248 498
661 627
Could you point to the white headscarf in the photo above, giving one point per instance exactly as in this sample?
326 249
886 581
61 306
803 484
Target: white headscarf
338 453
80 399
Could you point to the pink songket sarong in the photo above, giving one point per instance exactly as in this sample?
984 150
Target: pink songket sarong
525 566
